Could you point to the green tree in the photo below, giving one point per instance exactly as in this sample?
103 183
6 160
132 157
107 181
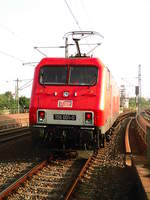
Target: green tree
144 103
7 101
24 103
2 102
132 103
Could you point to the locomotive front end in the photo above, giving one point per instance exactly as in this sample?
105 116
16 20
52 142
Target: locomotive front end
65 96
74 99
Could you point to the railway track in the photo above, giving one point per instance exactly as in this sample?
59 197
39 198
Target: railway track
103 178
13 133
9 171
146 115
109 174
135 156
141 127
105 175
50 180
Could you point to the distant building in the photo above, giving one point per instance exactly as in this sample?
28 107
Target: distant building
126 104
124 101
122 95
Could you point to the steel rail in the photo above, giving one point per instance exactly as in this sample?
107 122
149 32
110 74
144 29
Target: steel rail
142 131
127 145
139 125
11 130
72 188
14 134
14 137
127 142
146 122
21 180
147 116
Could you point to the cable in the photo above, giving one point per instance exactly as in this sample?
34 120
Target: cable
25 85
73 15
16 36
11 56
86 13
7 29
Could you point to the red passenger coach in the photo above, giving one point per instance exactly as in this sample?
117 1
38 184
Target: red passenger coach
74 99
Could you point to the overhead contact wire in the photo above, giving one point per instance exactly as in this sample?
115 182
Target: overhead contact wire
73 15
11 56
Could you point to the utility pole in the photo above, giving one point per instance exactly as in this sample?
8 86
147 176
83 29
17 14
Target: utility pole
17 94
138 91
139 84
137 98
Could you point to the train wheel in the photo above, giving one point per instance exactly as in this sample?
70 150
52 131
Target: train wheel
64 140
96 139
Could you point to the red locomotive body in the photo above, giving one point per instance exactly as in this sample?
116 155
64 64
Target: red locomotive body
76 97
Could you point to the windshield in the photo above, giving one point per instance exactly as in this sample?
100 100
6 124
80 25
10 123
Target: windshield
53 75
83 75
74 75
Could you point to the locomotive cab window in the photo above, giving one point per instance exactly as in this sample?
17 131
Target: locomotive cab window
83 75
53 75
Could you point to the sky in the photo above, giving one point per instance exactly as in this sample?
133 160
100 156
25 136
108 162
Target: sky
25 24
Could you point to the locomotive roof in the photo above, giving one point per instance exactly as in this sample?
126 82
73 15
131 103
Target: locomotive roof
73 61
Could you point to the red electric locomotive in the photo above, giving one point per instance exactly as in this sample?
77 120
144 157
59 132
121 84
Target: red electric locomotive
74 99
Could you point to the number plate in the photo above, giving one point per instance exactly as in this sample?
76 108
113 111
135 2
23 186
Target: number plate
64 117
65 103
